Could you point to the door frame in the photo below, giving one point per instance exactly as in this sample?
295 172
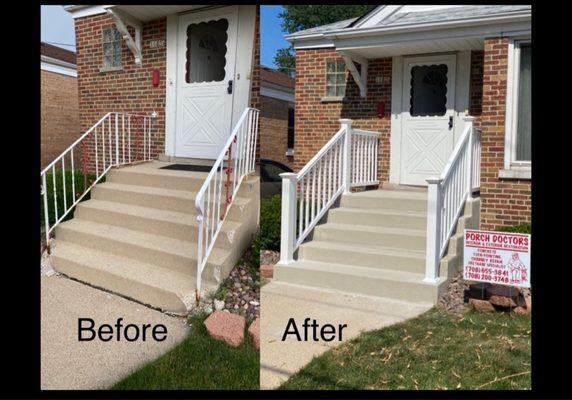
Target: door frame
462 83
246 15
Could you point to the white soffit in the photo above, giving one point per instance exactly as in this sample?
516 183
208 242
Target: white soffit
142 13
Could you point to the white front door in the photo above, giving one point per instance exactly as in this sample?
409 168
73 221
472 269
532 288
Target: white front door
205 81
428 102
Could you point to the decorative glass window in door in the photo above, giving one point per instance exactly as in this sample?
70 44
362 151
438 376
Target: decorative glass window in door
428 90
206 51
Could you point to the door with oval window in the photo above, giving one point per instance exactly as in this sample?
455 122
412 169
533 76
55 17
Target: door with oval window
428 132
206 69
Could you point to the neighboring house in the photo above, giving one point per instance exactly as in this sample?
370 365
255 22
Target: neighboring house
59 102
435 105
276 116
166 93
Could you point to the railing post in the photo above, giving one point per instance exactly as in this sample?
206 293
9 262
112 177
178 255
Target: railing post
433 248
347 170
288 218
469 122
116 139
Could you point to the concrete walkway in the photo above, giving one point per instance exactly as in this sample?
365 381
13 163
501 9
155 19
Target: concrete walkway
281 301
67 363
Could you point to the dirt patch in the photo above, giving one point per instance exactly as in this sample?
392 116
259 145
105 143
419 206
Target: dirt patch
455 299
269 257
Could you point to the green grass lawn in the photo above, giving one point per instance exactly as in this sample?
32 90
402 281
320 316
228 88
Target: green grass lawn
433 351
200 362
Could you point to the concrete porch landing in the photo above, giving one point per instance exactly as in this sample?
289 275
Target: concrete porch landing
281 301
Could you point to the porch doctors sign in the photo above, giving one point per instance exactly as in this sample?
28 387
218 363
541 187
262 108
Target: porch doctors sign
497 257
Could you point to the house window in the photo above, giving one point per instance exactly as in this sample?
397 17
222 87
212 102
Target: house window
518 114
111 48
335 78
290 130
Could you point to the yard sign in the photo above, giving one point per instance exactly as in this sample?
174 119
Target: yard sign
497 257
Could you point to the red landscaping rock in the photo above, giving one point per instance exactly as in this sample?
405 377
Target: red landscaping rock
501 301
254 332
481 305
267 271
520 310
227 327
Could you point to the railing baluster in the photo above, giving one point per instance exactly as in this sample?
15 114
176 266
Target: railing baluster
96 156
64 183
55 191
73 175
46 210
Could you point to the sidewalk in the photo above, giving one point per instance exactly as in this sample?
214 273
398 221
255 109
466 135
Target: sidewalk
281 301
67 363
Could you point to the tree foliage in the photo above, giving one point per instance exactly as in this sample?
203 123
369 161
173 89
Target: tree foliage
297 18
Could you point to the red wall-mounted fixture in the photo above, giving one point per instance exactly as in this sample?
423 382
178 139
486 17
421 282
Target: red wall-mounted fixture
381 109
155 77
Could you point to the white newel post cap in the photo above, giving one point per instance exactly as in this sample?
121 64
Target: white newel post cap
345 121
468 118
288 175
434 180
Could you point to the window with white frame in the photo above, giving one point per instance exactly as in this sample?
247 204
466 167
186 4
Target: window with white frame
335 78
111 48
518 121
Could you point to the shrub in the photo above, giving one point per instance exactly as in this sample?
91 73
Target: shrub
268 237
522 228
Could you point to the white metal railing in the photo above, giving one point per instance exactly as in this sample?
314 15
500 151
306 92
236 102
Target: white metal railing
447 195
222 183
116 139
348 159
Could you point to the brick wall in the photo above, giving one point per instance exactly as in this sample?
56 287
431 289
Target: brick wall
505 202
316 121
274 130
59 114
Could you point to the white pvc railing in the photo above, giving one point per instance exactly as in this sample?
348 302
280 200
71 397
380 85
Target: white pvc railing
218 191
364 158
447 195
116 139
348 159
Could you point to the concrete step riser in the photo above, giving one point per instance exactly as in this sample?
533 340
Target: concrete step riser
382 261
159 202
384 239
159 181
341 216
173 230
163 259
408 291
378 203
143 293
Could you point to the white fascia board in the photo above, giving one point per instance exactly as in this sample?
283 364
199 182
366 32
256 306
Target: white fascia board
58 69
276 94
392 38
79 11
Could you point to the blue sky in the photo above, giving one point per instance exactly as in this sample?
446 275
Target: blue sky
57 27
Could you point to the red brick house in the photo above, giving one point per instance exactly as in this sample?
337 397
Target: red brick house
59 102
276 116
438 99
168 98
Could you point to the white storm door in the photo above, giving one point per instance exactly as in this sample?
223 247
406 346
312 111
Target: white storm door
205 82
428 132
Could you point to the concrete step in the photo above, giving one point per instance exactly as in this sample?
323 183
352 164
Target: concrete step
167 253
381 217
368 281
364 256
160 287
164 199
410 239
387 199
150 220
151 174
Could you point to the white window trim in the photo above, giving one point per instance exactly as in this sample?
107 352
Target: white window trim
512 168
326 97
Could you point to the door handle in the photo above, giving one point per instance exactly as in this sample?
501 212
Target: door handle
451 122
229 88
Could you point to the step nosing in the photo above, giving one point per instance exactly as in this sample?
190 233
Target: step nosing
357 248
372 229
